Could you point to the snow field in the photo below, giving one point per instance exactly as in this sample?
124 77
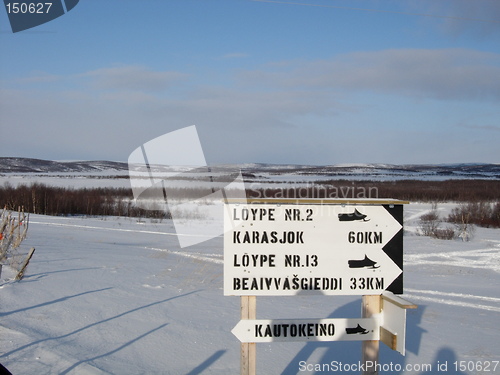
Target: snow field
119 296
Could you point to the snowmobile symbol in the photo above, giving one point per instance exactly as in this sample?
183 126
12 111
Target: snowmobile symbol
363 263
355 216
356 331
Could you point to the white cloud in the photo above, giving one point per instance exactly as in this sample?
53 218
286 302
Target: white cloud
235 55
303 112
135 78
482 127
40 77
482 17
443 74
77 124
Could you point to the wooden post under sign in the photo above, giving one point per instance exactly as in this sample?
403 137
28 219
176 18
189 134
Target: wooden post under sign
248 350
370 305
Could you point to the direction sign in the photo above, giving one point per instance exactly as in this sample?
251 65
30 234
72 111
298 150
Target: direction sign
330 249
269 330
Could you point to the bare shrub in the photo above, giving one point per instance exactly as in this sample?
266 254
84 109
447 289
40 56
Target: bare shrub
461 217
429 223
430 217
465 230
495 214
427 228
444 233
430 226
483 214
13 230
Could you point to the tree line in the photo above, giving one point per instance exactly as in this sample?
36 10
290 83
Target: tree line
408 190
481 195
50 200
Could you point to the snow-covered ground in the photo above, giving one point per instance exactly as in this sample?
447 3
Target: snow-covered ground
119 296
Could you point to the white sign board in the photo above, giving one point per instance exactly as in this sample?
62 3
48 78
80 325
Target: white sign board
290 249
394 321
269 330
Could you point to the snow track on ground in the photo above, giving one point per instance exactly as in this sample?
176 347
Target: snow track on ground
454 299
119 229
488 258
417 215
212 258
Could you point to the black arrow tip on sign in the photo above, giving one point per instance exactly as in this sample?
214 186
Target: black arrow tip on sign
396 211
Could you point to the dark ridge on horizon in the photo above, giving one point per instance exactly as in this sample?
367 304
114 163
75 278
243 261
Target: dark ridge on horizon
31 165
454 170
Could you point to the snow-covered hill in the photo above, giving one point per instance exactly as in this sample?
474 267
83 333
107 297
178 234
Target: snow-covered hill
271 171
27 165
382 171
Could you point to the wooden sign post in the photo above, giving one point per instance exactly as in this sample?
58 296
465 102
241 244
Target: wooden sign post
370 306
248 361
286 247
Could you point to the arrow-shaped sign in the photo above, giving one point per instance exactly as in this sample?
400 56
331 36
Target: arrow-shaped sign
375 226
272 249
269 330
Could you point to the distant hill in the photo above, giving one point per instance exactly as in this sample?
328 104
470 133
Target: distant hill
265 171
386 171
27 165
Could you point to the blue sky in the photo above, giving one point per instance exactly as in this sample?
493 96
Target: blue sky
307 82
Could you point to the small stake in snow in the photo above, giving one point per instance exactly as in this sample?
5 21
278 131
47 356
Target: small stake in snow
20 274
